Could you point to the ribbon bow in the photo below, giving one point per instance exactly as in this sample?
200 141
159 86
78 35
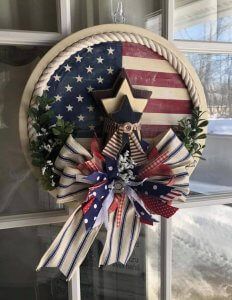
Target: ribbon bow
105 193
126 133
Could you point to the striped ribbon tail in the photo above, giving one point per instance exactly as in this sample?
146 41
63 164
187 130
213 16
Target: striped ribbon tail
121 240
117 141
137 153
71 246
114 145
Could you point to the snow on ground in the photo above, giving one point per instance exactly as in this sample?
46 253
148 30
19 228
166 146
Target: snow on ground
202 256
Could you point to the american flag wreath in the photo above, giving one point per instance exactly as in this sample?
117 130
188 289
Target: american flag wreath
114 129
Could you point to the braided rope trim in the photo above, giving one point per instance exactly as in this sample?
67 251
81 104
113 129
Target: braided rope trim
119 37
113 37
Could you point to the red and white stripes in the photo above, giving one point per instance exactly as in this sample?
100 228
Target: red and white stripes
170 100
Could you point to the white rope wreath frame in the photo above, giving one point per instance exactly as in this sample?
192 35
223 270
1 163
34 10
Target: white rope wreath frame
96 35
178 65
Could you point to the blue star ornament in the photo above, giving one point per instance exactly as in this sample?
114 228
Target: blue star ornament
126 113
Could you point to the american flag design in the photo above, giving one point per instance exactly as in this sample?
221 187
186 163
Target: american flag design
97 67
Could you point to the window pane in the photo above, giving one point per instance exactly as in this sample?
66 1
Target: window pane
28 15
213 175
203 20
20 252
19 191
138 280
202 257
215 72
146 14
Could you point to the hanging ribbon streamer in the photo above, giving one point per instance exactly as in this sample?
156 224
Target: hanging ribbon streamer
116 192
123 134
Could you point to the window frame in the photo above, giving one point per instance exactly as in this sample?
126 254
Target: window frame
36 38
20 37
42 38
196 201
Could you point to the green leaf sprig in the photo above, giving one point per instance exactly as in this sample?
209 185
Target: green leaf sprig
48 139
190 131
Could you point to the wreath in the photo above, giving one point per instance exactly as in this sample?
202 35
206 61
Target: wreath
128 173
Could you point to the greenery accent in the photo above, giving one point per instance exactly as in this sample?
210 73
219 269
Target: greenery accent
190 131
48 140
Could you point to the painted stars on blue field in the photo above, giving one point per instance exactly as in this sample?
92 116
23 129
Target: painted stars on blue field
93 68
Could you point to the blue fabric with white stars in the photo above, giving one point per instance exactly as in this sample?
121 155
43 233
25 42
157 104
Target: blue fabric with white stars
93 68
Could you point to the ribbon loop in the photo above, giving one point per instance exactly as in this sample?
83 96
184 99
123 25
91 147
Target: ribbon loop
116 193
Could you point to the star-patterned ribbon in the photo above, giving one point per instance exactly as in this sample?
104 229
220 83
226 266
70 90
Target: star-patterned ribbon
104 191
90 179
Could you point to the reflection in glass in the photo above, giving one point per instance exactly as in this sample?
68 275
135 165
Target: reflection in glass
215 72
19 191
28 15
118 14
204 20
202 257
136 12
139 279
20 252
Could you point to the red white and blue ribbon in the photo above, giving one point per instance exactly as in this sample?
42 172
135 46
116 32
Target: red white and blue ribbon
125 133
103 196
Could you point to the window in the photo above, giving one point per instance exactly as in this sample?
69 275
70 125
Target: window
206 28
20 192
165 254
203 20
18 277
13 16
202 30
141 274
